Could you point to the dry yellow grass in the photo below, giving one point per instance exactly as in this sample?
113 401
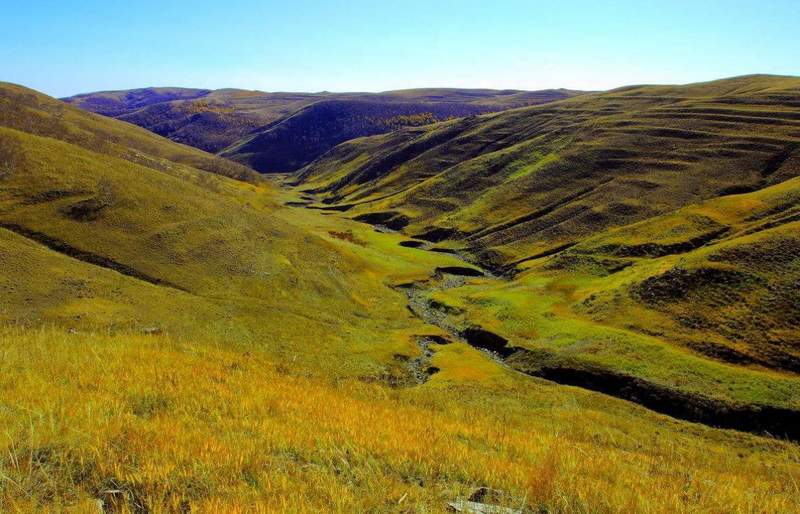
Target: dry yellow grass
176 427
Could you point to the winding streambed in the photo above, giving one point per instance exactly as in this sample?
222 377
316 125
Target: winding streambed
549 365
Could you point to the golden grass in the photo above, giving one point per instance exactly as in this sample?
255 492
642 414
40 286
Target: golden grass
177 426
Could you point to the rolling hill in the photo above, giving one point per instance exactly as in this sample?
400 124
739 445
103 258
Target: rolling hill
171 233
516 185
178 334
27 111
637 230
280 132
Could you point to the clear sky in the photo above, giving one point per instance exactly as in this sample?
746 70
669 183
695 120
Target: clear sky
66 47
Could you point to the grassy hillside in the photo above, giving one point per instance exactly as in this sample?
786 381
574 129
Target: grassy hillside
526 182
634 261
279 132
658 312
177 340
31 112
185 235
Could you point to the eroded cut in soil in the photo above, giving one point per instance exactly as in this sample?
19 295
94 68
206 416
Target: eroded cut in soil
76 253
412 244
760 419
416 370
462 271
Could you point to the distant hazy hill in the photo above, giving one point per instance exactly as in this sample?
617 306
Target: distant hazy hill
119 103
248 125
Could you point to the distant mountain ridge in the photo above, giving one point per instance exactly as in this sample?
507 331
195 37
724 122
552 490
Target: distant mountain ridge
119 103
247 126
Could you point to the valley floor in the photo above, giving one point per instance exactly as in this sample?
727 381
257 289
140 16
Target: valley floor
216 420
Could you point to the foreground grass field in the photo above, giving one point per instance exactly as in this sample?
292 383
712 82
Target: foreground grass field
161 425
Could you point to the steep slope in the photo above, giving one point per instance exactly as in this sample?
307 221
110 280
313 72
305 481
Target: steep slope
215 120
527 182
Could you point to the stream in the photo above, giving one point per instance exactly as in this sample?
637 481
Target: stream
549 365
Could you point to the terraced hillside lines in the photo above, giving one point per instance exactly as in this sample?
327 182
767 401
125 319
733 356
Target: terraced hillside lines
526 181
280 132
732 298
693 313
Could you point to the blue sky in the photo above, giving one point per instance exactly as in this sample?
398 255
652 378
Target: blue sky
67 47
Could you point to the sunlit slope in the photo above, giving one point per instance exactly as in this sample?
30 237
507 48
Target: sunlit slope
700 305
721 277
162 245
526 182
34 113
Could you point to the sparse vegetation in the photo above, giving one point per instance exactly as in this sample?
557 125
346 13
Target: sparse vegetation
414 120
347 236
198 106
